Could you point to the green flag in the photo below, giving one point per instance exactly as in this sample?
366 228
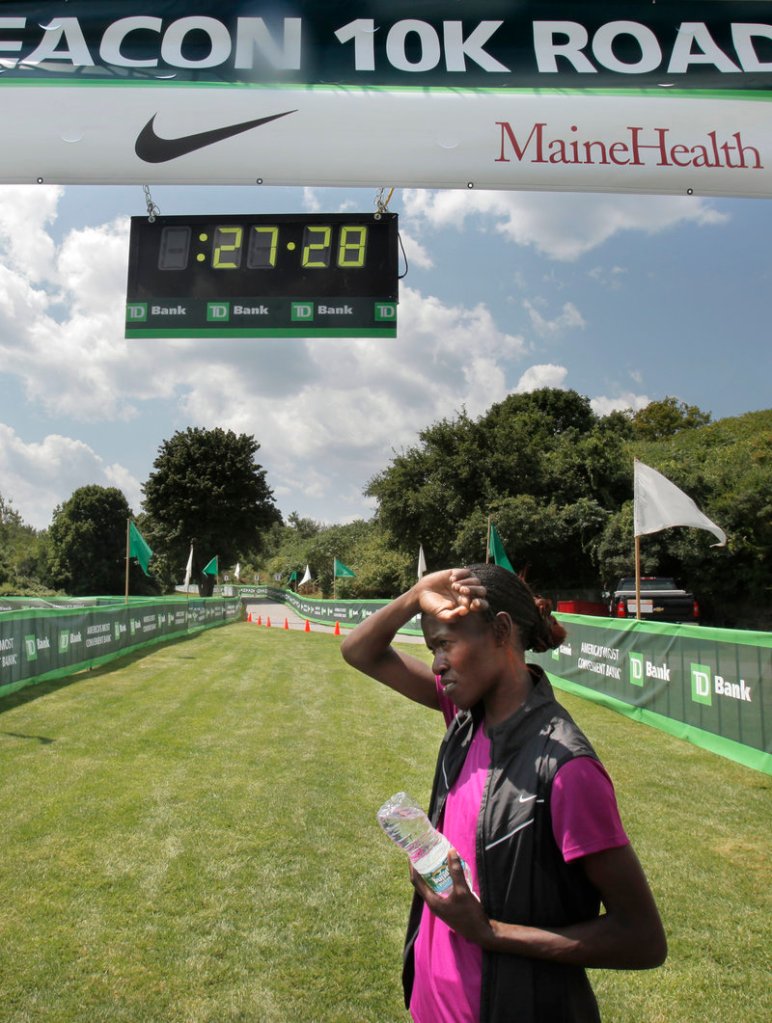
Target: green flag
138 548
212 568
498 552
293 576
341 572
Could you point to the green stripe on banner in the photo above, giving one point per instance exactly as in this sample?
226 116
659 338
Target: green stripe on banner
246 333
745 637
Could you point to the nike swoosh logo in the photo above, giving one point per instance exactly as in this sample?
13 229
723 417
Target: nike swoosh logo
151 148
527 799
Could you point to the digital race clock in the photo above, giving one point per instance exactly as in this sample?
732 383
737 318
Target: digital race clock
258 275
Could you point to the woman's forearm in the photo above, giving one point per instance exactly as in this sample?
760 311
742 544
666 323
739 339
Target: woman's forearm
602 943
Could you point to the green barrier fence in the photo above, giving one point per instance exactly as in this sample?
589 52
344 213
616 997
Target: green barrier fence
323 612
708 686
68 635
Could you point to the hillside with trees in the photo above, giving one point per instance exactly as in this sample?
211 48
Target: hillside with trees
554 477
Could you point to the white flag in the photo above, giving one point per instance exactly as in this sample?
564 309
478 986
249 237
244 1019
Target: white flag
189 567
306 576
421 561
659 504
237 570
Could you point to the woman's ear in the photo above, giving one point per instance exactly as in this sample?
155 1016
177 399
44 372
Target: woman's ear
503 628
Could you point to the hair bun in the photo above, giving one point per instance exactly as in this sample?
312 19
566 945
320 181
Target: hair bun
552 632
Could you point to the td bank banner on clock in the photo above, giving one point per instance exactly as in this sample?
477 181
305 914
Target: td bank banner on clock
710 685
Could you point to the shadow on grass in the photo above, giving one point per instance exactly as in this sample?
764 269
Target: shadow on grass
44 740
37 690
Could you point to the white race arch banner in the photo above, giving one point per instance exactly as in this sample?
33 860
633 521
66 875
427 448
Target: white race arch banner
668 97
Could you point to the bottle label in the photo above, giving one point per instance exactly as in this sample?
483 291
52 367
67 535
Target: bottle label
439 879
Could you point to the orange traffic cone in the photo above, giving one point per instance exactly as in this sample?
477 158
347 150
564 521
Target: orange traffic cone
268 622
308 626
336 630
286 624
249 617
259 619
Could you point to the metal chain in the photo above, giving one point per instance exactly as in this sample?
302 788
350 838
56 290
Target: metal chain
381 204
152 210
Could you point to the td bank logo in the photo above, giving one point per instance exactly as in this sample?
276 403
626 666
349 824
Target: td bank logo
705 684
31 648
636 668
702 684
641 669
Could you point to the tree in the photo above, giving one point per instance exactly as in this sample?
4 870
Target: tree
543 464
725 467
206 489
23 554
660 419
88 542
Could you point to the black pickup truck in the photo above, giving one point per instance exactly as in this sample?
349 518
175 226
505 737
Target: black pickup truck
662 600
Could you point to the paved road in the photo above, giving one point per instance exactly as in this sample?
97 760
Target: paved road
279 613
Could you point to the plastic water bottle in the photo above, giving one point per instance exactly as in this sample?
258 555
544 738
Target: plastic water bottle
407 826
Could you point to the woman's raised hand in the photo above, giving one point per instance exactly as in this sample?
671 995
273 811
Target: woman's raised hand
451 593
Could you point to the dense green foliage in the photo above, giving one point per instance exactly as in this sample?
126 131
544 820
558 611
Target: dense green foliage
23 554
206 489
557 482
363 546
546 469
88 542
666 418
727 469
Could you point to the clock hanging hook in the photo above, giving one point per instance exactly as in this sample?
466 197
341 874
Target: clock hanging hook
152 209
381 204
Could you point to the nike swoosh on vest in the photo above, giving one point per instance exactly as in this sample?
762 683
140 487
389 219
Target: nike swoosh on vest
151 148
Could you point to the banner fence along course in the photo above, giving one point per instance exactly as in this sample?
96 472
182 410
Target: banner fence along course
53 642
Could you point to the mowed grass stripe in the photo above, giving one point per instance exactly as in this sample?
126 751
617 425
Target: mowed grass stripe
190 836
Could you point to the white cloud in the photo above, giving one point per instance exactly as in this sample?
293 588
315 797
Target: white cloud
545 375
38 476
415 253
360 400
611 277
311 201
562 226
602 405
569 319
25 213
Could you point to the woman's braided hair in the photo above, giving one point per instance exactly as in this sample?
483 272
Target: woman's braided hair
505 591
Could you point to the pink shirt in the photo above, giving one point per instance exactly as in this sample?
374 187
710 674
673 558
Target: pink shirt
585 819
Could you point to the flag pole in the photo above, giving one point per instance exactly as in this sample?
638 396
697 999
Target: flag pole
637 542
128 543
488 542
334 582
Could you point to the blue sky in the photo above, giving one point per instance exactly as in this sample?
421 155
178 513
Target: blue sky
624 298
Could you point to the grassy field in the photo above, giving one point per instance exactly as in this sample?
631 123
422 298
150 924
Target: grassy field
190 837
